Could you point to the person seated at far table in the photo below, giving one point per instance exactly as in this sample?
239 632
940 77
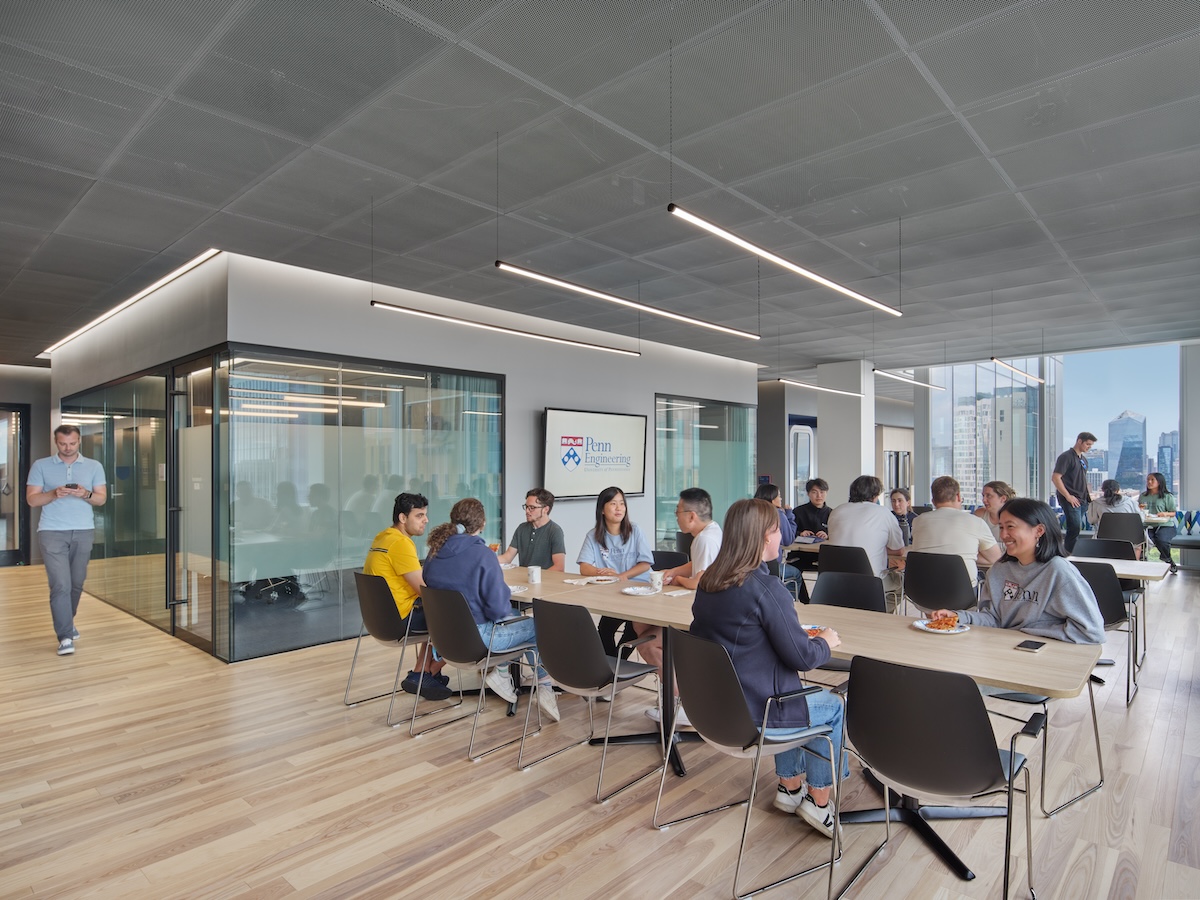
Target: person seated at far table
693 514
617 548
1033 587
1159 500
864 523
812 520
1111 500
741 606
787 527
948 528
537 541
994 495
459 560
393 556
901 502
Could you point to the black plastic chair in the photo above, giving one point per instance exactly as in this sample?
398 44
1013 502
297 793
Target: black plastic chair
667 559
938 581
1111 599
795 584
683 543
836 558
453 631
382 621
711 693
1123 527
849 591
927 734
570 651
1133 589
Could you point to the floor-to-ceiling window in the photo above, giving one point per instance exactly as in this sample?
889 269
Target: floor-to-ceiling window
700 443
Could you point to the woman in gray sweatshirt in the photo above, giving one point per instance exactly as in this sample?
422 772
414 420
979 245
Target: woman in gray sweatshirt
1033 587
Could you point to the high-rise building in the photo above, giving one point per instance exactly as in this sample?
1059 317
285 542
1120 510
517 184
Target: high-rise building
1127 444
1168 458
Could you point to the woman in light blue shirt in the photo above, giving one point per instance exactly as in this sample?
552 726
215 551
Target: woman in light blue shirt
618 548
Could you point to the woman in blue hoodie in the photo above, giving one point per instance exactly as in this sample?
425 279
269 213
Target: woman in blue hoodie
459 560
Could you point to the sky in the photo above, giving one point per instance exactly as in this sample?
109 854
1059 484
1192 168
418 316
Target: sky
1098 387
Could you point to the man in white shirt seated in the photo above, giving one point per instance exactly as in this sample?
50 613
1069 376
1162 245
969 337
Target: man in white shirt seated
693 512
864 523
948 528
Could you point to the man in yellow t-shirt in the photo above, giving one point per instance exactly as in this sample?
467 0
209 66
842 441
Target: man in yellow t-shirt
393 555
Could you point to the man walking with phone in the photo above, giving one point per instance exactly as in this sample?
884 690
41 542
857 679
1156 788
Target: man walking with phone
66 487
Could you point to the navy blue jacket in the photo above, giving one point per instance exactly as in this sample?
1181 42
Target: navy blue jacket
465 564
756 622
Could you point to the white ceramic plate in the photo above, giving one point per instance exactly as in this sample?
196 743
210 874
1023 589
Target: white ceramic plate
639 591
604 579
923 625
519 588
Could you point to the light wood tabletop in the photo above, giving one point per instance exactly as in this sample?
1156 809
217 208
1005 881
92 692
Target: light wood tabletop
988 655
1142 569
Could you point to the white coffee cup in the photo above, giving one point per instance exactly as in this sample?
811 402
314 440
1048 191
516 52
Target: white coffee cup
535 574
656 580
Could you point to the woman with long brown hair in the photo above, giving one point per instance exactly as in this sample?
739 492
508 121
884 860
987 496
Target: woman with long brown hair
459 560
741 606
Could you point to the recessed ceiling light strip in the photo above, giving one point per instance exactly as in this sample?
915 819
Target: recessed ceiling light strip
912 381
778 260
817 387
613 298
438 317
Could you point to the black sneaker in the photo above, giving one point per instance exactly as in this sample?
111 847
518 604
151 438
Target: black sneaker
409 684
436 687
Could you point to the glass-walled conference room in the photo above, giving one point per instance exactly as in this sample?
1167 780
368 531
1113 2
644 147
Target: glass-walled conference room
245 486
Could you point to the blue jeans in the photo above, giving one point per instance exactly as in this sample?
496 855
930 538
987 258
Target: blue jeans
823 709
1074 516
66 555
504 637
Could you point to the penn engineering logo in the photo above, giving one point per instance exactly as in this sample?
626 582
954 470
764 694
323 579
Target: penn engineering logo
592 454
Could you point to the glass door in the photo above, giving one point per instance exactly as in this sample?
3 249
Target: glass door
14 468
802 461
192 502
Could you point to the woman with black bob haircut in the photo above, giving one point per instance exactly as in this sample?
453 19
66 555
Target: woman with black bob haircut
741 606
1033 587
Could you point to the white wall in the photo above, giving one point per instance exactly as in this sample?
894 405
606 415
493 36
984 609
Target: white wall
1189 425
283 306
30 385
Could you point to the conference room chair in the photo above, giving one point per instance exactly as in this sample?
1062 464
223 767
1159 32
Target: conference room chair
836 558
1133 589
453 631
1123 527
683 543
794 584
938 581
667 559
570 651
850 591
710 691
382 621
927 735
1109 597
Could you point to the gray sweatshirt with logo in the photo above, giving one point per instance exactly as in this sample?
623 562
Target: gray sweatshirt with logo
1049 599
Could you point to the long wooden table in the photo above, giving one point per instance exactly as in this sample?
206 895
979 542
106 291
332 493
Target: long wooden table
1142 569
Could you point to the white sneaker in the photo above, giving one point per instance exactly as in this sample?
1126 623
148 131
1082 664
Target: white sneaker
786 801
66 647
501 682
547 701
819 817
681 718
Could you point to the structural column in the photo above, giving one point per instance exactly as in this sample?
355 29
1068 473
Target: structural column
846 425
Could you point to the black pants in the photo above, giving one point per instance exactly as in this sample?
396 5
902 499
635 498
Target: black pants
1162 536
608 633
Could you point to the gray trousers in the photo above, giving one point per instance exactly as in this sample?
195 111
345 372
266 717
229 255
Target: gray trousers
66 555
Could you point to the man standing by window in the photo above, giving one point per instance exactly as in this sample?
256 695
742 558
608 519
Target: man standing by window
1070 480
66 486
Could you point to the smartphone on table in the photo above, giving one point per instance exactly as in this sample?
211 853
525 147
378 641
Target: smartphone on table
1031 646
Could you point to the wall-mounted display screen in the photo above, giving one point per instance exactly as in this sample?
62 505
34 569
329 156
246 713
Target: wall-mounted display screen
588 451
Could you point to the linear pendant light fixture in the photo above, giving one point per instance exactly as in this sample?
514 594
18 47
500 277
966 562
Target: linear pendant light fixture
905 380
438 317
817 387
613 298
1000 362
1020 372
675 210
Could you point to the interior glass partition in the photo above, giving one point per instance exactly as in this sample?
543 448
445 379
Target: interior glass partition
700 443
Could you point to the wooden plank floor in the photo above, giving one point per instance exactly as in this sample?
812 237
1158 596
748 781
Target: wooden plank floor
142 768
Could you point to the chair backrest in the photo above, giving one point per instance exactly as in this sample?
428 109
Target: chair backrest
452 628
683 543
378 608
849 590
924 730
711 692
1107 588
938 581
922 509
836 558
668 559
569 645
1122 527
1103 548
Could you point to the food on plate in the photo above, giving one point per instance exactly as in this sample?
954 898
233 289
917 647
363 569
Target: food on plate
813 631
947 623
